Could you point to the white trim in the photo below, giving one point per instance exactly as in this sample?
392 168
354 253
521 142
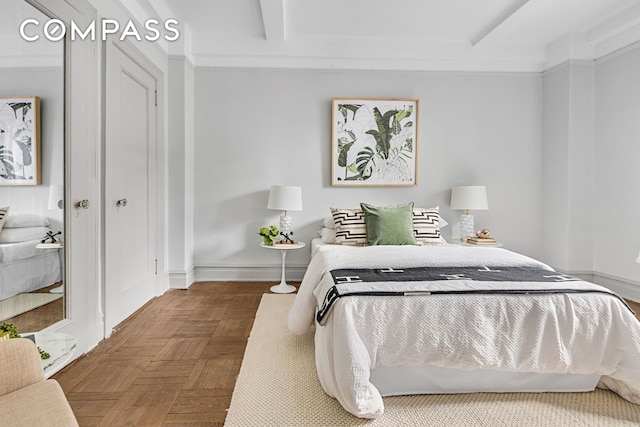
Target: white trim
618 52
182 279
626 288
369 64
569 63
181 58
205 273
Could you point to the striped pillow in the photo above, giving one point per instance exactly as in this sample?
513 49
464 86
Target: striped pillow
426 226
4 212
350 226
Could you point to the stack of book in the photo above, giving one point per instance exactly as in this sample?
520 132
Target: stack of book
284 243
480 241
49 245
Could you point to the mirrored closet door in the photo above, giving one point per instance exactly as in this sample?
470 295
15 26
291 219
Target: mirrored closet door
32 171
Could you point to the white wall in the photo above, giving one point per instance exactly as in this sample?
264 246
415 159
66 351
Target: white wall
617 166
259 127
180 171
591 155
48 84
556 172
568 166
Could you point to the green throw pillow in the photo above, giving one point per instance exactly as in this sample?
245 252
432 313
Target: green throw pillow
389 225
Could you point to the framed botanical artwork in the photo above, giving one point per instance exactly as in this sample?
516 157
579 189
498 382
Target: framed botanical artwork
20 140
374 142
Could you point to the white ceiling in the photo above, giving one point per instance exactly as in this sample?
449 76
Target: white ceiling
493 35
506 35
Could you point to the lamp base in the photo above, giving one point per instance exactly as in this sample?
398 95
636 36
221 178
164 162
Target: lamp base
285 223
466 227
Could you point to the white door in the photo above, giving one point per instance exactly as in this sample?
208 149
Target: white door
130 188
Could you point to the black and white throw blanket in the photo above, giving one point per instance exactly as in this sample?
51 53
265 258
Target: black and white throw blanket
461 280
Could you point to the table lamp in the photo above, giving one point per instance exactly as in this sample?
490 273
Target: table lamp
56 197
285 198
467 198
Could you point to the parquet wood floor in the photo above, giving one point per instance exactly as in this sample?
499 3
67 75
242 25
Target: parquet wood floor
174 362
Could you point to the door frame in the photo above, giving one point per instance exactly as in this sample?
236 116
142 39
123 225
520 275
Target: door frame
133 53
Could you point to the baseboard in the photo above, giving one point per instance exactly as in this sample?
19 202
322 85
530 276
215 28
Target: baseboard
217 273
625 288
182 279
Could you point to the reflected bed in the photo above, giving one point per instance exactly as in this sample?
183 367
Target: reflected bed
25 268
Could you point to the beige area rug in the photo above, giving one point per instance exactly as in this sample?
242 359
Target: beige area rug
278 386
21 303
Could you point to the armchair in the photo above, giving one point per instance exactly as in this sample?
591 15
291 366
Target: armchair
26 398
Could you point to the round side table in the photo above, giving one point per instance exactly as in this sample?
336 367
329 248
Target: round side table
283 287
58 246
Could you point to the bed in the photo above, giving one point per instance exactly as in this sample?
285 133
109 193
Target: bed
435 330
23 266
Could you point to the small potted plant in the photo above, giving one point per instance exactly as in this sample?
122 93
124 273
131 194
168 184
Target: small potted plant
269 234
9 330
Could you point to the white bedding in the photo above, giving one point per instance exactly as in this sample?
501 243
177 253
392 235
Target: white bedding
10 252
25 268
561 333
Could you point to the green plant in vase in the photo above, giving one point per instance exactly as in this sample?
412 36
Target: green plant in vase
269 234
9 329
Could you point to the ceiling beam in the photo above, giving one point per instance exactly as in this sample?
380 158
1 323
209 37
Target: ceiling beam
516 6
273 19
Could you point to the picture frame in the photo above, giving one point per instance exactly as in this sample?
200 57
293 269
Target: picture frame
374 141
20 140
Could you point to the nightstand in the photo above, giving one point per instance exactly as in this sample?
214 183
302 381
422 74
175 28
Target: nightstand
58 246
283 287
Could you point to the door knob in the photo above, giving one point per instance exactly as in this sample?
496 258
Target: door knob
121 203
84 204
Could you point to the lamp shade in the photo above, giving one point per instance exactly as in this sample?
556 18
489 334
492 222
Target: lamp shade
638 260
472 197
56 197
285 198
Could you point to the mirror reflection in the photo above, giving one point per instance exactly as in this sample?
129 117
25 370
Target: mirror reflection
31 174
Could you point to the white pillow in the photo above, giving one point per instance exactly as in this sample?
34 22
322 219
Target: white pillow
328 235
24 234
19 220
328 222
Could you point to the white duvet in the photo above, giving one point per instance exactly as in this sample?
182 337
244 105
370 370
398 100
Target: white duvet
560 333
10 252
